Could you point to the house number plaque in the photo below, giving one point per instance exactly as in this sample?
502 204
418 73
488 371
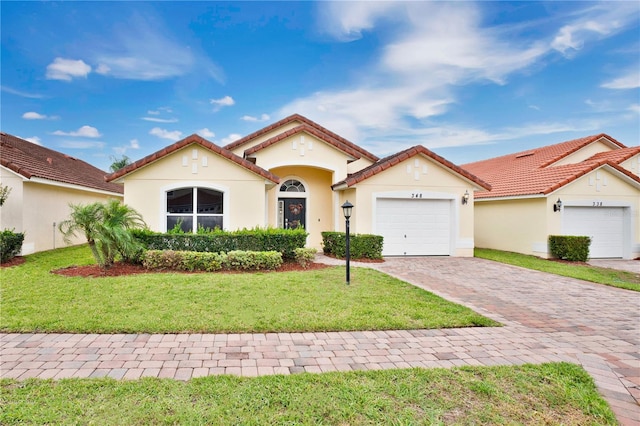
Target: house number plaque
416 195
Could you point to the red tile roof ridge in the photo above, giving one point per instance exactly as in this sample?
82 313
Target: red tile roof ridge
305 120
397 158
308 129
197 139
31 160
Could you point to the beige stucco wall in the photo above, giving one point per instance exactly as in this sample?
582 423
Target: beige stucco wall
244 202
320 203
518 225
425 177
523 225
604 188
632 164
239 151
304 150
11 211
586 152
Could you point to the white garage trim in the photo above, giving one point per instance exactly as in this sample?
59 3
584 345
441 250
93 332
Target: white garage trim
608 226
415 223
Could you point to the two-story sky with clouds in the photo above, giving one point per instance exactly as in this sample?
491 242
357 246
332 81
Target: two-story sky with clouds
468 80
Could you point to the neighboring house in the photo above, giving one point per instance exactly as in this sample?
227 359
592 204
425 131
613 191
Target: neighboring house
298 173
588 186
43 182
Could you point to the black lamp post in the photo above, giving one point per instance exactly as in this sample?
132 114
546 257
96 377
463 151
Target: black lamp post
346 209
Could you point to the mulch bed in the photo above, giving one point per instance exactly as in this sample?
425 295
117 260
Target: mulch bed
14 261
120 268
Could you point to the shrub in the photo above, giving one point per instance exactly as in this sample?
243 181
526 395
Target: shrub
10 244
569 247
305 256
360 245
284 241
211 262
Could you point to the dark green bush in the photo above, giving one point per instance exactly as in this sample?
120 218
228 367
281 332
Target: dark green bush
10 244
569 247
361 246
284 241
210 262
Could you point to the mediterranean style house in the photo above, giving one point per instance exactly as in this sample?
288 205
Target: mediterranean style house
297 173
43 183
588 186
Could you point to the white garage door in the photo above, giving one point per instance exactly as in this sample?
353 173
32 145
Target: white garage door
414 227
605 226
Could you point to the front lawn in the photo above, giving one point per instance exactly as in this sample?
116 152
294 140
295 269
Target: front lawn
581 271
35 300
558 393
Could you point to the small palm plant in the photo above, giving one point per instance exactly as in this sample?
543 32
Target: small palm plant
106 227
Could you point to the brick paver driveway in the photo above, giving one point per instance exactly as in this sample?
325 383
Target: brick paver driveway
546 318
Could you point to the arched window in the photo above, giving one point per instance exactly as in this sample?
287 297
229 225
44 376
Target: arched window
292 185
191 209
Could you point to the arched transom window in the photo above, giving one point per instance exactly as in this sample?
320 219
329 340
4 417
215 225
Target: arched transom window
196 208
292 185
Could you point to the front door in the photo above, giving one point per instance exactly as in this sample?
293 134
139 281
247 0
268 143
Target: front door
294 212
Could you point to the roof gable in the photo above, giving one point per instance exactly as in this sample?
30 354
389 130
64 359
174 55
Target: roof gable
35 161
338 141
193 139
401 156
305 128
533 172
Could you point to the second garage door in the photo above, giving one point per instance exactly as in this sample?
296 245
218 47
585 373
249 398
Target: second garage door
414 227
605 226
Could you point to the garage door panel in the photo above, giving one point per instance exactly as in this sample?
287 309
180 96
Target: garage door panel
414 227
605 226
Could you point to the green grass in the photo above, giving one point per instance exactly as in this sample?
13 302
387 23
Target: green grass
35 300
607 276
558 393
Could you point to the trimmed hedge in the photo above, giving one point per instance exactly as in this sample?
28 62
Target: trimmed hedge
10 244
569 247
284 241
361 246
305 256
211 262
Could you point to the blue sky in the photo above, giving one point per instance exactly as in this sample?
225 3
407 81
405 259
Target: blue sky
468 80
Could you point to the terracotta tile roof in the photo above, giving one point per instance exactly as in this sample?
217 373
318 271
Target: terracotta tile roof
618 155
193 139
304 128
532 172
304 120
394 159
34 161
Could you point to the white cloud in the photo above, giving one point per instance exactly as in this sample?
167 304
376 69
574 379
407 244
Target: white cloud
222 102
34 139
634 108
84 131
263 117
31 115
21 94
630 80
231 138
133 144
595 22
67 69
160 120
141 47
206 133
174 135
82 144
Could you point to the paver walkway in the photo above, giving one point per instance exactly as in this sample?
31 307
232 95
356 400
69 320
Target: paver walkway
546 318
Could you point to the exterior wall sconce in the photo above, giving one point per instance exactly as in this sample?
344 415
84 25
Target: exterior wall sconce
465 197
557 205
347 207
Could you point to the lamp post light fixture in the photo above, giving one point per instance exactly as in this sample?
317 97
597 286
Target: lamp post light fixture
347 207
557 205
